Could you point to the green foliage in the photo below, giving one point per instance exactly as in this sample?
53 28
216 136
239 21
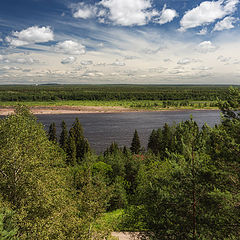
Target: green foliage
7 227
193 193
63 140
52 133
91 181
231 104
135 145
33 181
81 144
168 94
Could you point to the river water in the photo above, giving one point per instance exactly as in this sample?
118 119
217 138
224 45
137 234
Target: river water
101 129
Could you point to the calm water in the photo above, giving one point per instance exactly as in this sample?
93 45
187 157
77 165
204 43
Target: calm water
102 129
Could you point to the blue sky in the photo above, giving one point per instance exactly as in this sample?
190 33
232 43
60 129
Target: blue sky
119 41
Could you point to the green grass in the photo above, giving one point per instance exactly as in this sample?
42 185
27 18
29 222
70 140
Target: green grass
110 221
136 104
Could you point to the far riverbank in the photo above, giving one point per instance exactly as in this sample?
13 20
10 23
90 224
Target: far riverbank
38 110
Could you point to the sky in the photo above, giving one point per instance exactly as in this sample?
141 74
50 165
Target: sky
119 42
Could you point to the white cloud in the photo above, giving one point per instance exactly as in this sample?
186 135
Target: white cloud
70 47
206 46
226 23
202 68
202 31
167 15
68 60
11 68
82 10
31 35
88 62
157 70
26 61
223 59
118 63
207 12
129 12
184 61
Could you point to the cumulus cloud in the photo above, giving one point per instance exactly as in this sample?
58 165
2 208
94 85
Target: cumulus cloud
206 46
223 59
167 15
207 12
226 23
82 10
68 60
28 61
129 12
118 63
202 31
157 70
70 47
88 62
31 35
202 68
184 61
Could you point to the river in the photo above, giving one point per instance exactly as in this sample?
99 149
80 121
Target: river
102 129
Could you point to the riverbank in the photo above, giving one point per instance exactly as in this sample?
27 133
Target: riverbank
38 110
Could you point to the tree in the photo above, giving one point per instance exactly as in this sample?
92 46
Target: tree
194 192
52 134
33 181
82 146
63 141
231 106
135 145
71 148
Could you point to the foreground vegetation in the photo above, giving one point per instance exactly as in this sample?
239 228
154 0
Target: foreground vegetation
185 186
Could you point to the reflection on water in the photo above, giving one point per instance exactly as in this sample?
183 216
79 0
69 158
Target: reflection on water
102 129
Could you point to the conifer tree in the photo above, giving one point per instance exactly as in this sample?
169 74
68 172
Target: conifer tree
52 133
71 148
63 141
135 145
80 142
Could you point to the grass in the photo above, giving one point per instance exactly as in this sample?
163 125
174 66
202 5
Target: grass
136 104
110 220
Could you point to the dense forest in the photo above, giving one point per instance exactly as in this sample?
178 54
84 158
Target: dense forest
184 186
111 92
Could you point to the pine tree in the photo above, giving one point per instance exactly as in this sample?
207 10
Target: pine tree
52 133
63 141
79 140
71 148
135 145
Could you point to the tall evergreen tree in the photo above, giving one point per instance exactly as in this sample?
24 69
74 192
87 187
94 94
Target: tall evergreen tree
135 145
71 148
63 141
82 147
52 133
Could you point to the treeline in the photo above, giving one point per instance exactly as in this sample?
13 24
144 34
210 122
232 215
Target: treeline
111 92
184 186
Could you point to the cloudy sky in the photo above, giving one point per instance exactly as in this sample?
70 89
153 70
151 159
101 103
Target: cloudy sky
120 41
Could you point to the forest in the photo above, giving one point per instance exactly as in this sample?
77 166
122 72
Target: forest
185 185
23 93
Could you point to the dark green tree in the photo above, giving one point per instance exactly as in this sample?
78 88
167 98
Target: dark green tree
52 133
63 140
71 148
135 145
82 146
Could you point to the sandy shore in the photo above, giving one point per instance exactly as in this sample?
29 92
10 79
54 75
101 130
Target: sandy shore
85 109
69 110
